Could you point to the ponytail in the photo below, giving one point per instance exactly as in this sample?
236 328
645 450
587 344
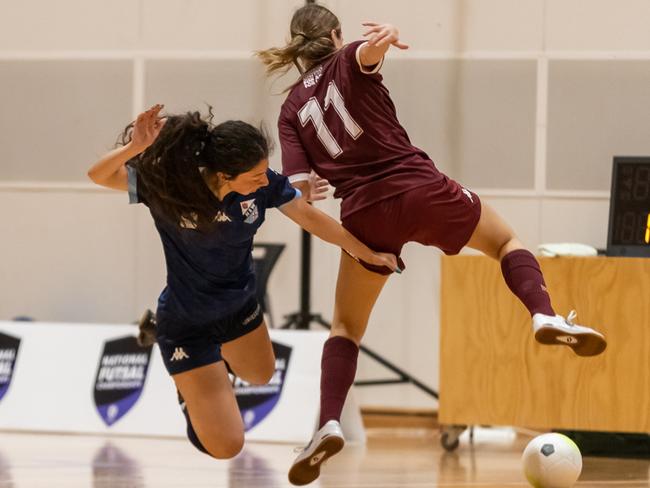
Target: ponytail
310 43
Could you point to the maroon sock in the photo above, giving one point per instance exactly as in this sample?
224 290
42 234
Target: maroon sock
524 278
338 368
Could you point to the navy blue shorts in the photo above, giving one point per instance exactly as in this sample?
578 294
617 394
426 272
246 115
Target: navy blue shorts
442 214
185 347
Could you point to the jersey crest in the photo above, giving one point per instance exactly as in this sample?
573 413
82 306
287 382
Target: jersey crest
249 211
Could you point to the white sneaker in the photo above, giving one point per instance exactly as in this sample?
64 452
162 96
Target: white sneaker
558 330
325 443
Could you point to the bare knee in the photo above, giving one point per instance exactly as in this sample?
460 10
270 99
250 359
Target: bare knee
261 375
512 244
224 448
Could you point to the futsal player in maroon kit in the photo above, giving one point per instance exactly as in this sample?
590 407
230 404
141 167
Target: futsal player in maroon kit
339 121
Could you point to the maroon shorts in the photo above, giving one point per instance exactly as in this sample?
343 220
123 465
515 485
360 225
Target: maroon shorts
442 214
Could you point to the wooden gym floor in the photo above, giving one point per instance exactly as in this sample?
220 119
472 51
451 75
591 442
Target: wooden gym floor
392 458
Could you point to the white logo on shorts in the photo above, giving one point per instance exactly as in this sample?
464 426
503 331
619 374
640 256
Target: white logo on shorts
468 194
252 316
179 354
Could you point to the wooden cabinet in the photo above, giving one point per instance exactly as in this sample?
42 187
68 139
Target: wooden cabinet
493 372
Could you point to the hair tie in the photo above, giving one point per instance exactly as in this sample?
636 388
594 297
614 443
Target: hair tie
305 36
202 142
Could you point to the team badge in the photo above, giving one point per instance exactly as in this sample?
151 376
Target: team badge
249 211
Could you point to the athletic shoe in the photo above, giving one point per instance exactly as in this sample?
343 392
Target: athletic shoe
325 443
558 330
147 329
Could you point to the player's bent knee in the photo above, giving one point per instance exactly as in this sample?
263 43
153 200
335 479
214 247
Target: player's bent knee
262 375
225 448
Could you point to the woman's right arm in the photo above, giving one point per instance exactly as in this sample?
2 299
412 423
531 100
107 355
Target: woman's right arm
110 170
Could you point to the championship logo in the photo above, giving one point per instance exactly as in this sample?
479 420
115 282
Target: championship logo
121 374
256 402
249 211
8 352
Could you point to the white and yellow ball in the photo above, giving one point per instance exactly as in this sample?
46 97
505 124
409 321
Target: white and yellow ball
552 461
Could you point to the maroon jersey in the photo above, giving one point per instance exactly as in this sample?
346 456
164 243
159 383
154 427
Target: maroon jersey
339 121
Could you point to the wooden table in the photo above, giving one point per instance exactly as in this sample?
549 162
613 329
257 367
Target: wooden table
493 372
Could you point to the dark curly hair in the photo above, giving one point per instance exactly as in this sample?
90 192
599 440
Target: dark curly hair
189 151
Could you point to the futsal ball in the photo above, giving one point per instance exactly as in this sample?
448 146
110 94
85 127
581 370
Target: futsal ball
552 461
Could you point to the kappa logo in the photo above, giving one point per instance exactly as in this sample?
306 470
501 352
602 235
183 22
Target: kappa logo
221 217
468 194
249 211
179 354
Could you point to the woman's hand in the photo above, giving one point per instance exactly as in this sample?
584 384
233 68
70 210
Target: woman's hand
147 127
383 35
318 188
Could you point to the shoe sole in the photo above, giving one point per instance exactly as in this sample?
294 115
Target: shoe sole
587 344
303 472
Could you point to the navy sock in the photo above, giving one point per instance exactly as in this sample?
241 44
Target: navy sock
191 435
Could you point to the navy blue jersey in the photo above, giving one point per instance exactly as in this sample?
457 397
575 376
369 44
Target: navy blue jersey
210 272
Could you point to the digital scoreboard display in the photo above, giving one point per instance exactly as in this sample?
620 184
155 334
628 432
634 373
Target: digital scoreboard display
629 208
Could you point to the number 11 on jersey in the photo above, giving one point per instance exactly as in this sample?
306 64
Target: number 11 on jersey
312 112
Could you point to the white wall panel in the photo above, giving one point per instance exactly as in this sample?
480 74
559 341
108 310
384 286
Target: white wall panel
571 220
598 25
37 25
596 110
424 24
209 24
67 256
502 25
57 117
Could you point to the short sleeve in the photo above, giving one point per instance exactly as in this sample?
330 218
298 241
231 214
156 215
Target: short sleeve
352 55
135 195
279 191
295 162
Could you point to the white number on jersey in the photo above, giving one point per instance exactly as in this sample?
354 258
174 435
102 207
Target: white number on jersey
312 112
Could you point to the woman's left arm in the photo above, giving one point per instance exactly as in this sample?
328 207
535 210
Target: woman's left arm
380 38
322 225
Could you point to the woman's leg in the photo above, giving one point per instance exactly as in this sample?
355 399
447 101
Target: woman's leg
256 344
521 271
211 408
524 277
214 420
357 290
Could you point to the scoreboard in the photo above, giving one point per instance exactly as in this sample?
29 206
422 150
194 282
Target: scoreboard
629 208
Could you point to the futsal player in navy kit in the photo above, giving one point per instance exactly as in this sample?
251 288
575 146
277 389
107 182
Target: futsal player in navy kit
338 120
208 189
